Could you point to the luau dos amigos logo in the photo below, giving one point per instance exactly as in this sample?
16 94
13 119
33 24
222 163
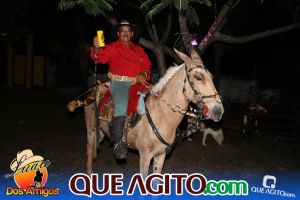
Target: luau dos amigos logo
30 174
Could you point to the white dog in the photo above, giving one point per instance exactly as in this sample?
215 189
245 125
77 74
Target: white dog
195 125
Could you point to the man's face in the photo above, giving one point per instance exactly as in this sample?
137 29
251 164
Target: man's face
125 34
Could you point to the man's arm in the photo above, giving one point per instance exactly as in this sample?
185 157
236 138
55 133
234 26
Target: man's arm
146 66
100 55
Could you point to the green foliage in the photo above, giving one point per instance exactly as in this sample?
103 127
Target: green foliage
91 7
157 6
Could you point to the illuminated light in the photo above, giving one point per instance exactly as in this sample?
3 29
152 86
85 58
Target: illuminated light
194 42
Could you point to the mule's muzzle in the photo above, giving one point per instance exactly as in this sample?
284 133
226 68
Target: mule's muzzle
216 112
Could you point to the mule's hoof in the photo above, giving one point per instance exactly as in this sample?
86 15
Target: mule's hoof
120 156
89 172
111 142
120 150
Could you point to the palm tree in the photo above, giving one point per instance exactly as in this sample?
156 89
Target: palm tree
92 7
187 14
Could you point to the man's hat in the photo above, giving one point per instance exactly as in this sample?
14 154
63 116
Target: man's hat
135 29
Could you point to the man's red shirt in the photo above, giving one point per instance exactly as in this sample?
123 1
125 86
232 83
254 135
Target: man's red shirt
123 60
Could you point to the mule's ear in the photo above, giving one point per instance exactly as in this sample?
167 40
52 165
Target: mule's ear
196 58
182 56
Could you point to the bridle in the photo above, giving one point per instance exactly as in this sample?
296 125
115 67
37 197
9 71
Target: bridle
176 108
199 96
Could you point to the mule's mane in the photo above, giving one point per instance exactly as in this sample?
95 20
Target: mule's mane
165 79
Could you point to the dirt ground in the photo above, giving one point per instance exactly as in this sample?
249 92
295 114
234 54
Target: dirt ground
38 119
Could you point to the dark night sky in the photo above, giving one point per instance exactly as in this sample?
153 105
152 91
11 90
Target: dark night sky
57 33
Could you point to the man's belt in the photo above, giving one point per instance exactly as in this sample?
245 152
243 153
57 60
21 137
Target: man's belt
115 77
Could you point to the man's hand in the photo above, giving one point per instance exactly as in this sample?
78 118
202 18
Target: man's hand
96 42
141 77
98 82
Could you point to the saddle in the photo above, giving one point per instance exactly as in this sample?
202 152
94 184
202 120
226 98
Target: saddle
106 107
106 104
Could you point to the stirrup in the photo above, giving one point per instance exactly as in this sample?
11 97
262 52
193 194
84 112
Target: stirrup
120 150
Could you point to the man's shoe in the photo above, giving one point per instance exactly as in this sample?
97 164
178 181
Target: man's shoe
120 150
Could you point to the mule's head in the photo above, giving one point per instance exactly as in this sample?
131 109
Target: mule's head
199 87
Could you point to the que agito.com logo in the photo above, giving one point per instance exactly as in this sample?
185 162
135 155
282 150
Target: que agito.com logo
30 175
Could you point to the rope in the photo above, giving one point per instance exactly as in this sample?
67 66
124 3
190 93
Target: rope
97 125
84 93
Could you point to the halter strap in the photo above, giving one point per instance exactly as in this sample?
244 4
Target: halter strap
197 94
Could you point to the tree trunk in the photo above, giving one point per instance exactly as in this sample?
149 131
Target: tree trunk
160 58
186 36
158 50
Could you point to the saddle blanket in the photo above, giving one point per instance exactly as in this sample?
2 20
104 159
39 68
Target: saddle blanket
134 95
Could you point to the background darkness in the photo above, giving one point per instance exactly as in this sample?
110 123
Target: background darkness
64 38
61 35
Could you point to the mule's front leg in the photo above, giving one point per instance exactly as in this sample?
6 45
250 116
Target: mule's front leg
145 159
158 162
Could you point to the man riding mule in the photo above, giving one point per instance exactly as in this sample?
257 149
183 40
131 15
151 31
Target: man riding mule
165 107
128 64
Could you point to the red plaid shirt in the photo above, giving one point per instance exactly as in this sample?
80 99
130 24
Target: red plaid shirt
123 60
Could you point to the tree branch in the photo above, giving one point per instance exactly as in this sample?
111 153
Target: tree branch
294 10
153 27
217 24
170 52
152 35
168 29
111 19
146 43
184 31
219 37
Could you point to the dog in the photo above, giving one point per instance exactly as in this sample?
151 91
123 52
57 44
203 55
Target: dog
207 128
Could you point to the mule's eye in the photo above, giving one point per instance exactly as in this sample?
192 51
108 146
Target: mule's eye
199 77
